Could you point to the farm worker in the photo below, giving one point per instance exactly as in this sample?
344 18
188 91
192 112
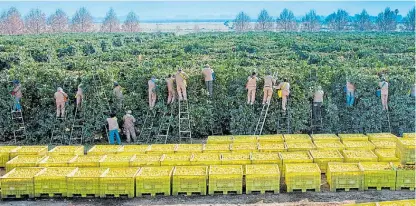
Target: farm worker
384 87
413 91
269 82
128 126
285 87
207 72
152 92
170 79
118 93
180 79
79 96
60 97
113 129
318 98
17 93
251 86
350 89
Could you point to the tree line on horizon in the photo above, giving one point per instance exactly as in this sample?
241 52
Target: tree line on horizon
36 22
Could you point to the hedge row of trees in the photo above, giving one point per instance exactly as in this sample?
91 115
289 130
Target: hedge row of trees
36 22
337 21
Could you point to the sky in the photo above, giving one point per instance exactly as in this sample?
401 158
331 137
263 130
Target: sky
192 10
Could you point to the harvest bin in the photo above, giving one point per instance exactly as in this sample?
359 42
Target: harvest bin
303 177
322 157
116 182
29 150
56 161
405 150
5 154
266 158
225 179
190 180
23 161
183 159
344 176
85 161
67 150
294 157
18 183
146 160
116 160
262 178
104 149
133 149
84 182
378 175
51 181
153 181
206 159
405 177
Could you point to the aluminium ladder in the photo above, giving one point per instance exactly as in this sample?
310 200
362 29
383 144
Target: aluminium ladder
164 127
147 127
283 120
262 119
19 130
316 122
184 122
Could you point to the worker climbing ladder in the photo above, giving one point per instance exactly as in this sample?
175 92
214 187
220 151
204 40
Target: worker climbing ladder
19 128
184 122
283 120
59 128
147 127
316 121
262 119
164 126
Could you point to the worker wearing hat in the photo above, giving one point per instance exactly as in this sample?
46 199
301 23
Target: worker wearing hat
251 86
17 93
269 82
60 98
181 78
207 72
152 92
128 126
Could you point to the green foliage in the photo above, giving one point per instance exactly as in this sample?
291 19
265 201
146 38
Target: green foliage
306 59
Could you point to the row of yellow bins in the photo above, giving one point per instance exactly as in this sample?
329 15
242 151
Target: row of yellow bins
408 202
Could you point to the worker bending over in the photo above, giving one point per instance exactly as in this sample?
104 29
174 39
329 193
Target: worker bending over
128 126
60 98
181 79
251 88
207 72
152 92
269 82
285 87
170 79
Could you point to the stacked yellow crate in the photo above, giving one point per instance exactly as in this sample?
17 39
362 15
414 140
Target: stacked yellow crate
297 138
405 177
384 144
344 176
5 154
294 157
359 156
378 175
66 150
176 159
116 160
244 139
225 179
18 183
236 159
23 161
266 158
220 140
132 149
216 148
333 145
84 182
104 149
85 161
189 148
409 135
323 157
272 138
305 176
190 180
56 161
405 150
386 155
52 182
29 150
272 147
153 180
262 178
162 149
206 159
300 146
358 145
244 147
146 160
325 138
381 136
117 182
353 137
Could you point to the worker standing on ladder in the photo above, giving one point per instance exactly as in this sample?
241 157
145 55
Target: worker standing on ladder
170 79
269 82
17 93
113 129
251 87
181 78
318 98
350 89
79 96
118 94
152 92
207 72
128 126
285 87
384 88
60 97
413 91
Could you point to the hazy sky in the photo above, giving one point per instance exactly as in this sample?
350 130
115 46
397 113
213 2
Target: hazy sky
206 9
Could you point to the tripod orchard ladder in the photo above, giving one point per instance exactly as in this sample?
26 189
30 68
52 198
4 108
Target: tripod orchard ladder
184 122
147 127
164 127
262 119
